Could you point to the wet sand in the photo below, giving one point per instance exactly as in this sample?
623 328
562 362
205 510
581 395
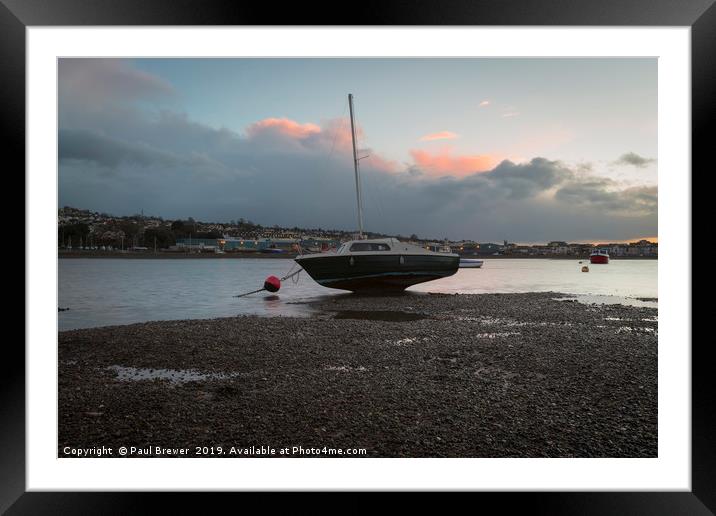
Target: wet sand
490 375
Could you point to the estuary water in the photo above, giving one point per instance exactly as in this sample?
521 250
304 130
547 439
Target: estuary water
107 291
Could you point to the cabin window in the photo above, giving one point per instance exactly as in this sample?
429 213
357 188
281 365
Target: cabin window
369 246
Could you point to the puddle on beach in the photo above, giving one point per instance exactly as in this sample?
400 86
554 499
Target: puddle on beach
408 340
589 299
646 319
346 369
379 315
631 329
497 335
175 376
493 321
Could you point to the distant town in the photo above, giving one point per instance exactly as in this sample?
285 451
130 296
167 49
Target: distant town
87 232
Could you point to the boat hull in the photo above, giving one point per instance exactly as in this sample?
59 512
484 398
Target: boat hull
469 263
371 273
599 259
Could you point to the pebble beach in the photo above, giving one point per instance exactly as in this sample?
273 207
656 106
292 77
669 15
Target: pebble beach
484 375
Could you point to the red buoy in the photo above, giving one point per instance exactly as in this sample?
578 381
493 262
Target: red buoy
272 284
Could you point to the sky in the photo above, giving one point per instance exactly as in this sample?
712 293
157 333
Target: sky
525 150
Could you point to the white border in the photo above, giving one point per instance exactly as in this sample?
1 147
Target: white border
670 471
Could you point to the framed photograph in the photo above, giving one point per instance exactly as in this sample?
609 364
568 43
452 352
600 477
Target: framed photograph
419 252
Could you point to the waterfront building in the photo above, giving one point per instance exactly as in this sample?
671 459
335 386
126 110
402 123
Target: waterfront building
238 244
197 244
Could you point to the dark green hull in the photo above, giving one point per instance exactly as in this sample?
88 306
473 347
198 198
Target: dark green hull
392 272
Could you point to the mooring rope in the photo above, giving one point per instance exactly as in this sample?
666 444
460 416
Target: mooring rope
249 293
287 276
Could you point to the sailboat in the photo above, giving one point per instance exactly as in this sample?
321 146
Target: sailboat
376 265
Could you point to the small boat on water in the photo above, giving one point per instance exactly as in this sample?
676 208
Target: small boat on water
470 263
370 265
599 256
272 250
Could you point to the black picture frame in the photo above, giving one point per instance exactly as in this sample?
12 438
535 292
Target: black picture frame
700 15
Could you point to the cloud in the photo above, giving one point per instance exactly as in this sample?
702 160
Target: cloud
85 145
282 126
120 156
510 114
442 135
519 181
443 162
584 167
484 103
180 168
99 149
107 80
603 195
631 158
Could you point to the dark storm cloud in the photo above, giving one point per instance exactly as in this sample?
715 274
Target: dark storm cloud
601 193
83 145
519 181
631 158
98 149
506 182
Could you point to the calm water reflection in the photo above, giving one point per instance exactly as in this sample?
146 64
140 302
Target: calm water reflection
101 292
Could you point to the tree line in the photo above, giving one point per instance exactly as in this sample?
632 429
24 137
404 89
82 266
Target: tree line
129 233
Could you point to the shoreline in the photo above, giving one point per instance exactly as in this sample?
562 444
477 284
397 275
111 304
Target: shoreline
190 256
477 375
168 255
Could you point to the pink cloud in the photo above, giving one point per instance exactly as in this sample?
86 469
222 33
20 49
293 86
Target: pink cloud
442 135
381 164
283 126
331 139
337 133
443 163
484 103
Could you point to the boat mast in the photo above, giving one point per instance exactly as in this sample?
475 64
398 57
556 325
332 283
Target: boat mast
355 165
